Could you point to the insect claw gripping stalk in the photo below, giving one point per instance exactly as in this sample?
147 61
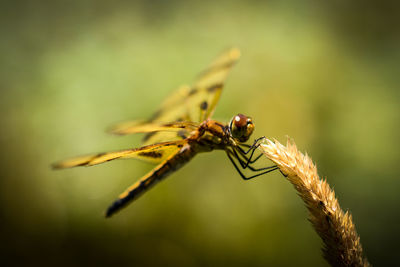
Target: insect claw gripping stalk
342 245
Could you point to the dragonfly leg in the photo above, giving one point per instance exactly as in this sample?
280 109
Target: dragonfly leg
250 160
245 163
252 147
230 154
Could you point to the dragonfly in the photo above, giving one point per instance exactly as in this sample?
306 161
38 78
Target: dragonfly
181 128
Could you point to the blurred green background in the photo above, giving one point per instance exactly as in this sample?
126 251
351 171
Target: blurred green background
326 73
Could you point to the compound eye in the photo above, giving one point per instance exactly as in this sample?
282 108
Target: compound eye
240 120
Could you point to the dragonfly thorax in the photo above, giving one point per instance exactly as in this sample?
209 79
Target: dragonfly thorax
241 127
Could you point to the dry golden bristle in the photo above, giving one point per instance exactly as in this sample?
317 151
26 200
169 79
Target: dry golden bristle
342 245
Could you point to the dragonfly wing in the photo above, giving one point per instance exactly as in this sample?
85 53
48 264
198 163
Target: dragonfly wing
152 153
148 127
196 103
210 82
189 103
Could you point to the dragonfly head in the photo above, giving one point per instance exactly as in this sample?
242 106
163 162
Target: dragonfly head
241 127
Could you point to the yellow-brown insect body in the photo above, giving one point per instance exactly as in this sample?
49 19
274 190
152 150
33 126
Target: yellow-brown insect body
179 130
210 135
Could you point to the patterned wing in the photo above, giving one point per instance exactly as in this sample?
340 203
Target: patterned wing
152 153
210 82
195 103
149 127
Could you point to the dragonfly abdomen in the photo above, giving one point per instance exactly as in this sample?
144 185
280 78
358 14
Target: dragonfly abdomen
164 169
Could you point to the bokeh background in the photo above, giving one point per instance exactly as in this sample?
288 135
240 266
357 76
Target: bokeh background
325 73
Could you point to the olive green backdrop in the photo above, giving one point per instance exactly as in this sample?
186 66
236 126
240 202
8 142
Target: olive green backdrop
325 74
